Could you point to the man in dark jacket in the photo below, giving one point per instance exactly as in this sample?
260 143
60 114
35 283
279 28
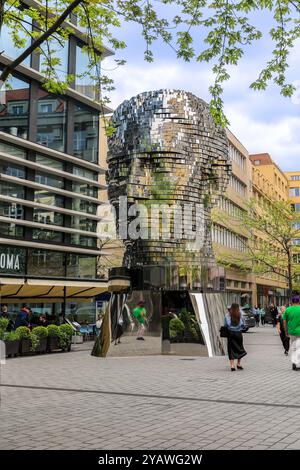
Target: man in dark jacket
22 318
273 312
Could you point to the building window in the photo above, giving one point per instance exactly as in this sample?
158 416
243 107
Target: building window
236 156
12 150
296 241
295 177
237 185
81 240
81 266
46 263
11 230
79 171
296 207
47 235
12 170
49 162
48 217
12 190
294 192
84 84
85 189
87 225
45 107
11 210
49 180
14 94
257 162
84 206
86 133
45 197
51 121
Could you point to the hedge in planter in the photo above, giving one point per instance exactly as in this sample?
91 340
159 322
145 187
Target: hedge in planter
3 325
25 342
39 339
176 329
65 336
53 338
12 344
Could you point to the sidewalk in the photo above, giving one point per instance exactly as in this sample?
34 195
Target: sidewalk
76 401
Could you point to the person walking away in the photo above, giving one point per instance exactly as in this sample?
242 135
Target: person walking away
98 325
262 316
273 312
120 330
235 324
281 330
22 318
291 322
140 314
256 314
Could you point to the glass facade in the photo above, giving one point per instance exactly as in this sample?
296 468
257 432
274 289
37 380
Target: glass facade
51 121
83 83
12 210
11 230
60 124
46 263
12 190
86 134
14 108
45 197
48 217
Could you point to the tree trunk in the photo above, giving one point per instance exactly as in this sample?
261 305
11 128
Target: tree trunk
290 275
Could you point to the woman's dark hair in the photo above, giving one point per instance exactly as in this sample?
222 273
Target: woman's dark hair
235 314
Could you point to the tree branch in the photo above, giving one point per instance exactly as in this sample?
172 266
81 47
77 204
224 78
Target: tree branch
35 44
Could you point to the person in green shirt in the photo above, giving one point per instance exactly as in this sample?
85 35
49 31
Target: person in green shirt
140 314
291 322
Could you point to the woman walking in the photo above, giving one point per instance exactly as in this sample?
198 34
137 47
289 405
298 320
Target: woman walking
235 324
281 330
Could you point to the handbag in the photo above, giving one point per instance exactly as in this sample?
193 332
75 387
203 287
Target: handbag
224 332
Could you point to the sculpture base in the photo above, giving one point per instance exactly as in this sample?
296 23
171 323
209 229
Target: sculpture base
177 322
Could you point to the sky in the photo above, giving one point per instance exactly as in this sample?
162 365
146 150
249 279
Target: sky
263 121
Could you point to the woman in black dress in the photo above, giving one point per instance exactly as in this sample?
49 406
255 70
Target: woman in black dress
235 325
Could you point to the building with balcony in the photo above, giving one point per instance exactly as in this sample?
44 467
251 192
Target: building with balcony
230 239
50 184
268 182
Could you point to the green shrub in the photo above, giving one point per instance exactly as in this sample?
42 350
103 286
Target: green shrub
23 332
38 333
3 325
65 335
176 328
53 330
12 336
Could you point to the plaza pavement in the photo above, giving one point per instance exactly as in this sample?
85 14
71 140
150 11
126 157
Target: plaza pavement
76 401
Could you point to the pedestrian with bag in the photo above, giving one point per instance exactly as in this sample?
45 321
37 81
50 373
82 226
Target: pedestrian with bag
281 330
233 326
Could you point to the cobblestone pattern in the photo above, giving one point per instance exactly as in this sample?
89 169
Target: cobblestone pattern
159 402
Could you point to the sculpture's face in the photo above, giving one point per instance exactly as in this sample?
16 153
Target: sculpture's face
165 148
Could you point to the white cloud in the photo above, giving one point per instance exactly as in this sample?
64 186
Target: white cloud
262 121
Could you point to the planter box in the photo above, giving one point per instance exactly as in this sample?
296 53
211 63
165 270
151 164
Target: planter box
42 347
53 343
12 348
77 339
25 345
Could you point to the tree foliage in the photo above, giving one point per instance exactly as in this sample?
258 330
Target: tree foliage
269 249
225 29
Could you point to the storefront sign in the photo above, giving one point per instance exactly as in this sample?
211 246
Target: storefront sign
12 260
9 262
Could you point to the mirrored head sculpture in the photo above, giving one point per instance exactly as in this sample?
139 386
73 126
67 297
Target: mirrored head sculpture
167 164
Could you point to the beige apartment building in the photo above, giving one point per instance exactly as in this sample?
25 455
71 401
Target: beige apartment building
229 237
268 182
